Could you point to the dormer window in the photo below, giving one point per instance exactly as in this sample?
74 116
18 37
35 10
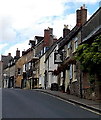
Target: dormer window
36 41
68 46
8 64
11 62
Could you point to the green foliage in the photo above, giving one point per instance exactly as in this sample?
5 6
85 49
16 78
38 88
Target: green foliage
89 56
91 78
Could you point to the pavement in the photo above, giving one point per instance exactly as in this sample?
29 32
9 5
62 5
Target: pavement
90 104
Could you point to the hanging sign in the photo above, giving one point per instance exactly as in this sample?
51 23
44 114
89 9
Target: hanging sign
58 58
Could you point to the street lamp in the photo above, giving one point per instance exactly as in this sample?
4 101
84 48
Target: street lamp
4 80
34 73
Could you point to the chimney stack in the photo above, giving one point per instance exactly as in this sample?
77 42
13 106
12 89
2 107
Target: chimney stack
9 54
48 37
23 52
18 53
65 31
50 30
81 16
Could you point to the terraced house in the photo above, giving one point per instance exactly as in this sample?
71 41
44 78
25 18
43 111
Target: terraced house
7 73
49 60
75 81
24 69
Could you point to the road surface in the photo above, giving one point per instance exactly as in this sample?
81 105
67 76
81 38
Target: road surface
17 103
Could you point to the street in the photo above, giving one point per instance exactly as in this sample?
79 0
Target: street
0 103
17 103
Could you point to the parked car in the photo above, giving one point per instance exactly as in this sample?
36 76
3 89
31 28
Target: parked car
54 86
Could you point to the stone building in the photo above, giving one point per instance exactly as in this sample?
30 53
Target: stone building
42 45
6 59
50 66
75 81
24 69
10 70
90 30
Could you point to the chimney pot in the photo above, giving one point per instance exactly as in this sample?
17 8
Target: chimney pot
18 53
9 54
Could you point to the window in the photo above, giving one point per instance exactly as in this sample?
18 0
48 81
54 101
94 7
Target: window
29 65
62 74
75 43
68 49
74 73
41 52
19 71
45 49
11 62
8 64
71 70
36 42
24 68
68 46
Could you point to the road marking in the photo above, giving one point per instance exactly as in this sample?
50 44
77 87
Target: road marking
90 110
74 104
60 99
66 101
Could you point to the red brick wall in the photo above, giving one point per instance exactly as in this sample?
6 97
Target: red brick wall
81 16
46 37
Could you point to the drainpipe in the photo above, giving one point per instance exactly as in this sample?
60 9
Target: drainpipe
81 84
81 95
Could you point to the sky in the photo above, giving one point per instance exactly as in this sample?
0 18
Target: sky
21 20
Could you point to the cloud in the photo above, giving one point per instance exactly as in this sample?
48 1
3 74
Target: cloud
22 19
21 46
2 46
17 15
7 32
25 14
58 24
86 1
